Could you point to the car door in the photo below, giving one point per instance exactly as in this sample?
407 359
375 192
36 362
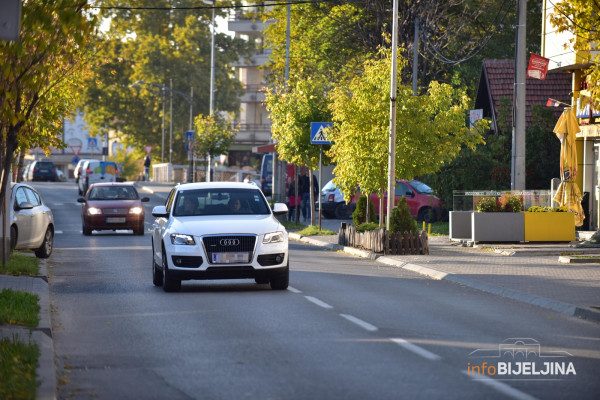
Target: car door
39 217
402 189
23 218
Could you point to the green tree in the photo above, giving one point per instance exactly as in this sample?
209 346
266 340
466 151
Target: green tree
430 130
157 47
40 75
215 135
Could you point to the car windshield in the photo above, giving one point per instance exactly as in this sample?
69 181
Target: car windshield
329 187
45 164
113 193
420 187
220 202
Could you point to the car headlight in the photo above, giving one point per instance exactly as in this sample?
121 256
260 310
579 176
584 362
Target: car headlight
273 237
136 210
94 211
178 238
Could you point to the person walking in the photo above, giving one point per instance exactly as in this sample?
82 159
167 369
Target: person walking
294 200
147 162
306 207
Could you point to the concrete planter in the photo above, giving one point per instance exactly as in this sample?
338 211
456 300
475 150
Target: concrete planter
497 227
549 226
460 225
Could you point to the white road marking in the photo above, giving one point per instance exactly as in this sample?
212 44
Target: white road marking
416 349
58 232
294 290
360 322
500 386
318 302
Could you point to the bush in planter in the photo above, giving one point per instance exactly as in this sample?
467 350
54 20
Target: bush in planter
547 209
367 226
487 204
359 215
401 220
510 203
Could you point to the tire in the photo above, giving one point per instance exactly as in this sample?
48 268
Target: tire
86 231
14 235
157 277
427 214
169 284
46 248
282 281
342 211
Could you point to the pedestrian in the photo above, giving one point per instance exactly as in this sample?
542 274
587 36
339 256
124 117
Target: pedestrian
147 162
306 206
294 200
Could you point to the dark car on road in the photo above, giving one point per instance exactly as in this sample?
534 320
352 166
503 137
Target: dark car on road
42 171
112 206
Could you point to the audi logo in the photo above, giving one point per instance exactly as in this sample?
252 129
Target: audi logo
229 242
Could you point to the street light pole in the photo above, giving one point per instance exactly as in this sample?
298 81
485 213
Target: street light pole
212 84
162 146
171 122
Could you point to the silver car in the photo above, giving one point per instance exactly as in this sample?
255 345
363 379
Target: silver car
219 230
31 221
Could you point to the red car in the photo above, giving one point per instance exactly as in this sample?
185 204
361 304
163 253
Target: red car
112 206
424 206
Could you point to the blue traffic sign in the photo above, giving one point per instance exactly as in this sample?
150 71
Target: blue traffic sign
317 132
189 140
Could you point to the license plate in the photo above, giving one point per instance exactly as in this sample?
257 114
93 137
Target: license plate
229 258
115 220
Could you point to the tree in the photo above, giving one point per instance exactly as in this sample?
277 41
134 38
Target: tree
215 135
581 18
40 75
156 47
431 129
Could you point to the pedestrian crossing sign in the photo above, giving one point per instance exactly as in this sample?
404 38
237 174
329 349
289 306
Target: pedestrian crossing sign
317 132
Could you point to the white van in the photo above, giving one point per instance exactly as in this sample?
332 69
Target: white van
95 171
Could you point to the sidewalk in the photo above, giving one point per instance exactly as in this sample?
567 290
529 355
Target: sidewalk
526 272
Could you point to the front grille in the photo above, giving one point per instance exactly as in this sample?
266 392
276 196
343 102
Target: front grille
229 244
113 211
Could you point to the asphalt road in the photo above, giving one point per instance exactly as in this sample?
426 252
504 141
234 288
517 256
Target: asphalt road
347 328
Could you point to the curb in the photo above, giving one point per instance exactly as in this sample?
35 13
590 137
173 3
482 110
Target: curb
554 305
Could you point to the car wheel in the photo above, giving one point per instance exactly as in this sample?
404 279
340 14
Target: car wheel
281 282
169 284
86 231
46 248
427 214
157 277
13 237
342 211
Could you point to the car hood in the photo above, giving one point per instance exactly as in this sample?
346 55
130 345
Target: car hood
225 224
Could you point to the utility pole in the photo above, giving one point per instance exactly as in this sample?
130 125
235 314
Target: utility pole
415 57
393 95
519 102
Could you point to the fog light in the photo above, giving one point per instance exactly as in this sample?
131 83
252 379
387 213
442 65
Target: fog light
178 261
279 258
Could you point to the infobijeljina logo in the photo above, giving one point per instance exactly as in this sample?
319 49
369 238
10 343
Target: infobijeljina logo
520 359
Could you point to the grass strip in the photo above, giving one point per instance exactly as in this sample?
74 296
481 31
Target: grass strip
20 308
18 369
21 264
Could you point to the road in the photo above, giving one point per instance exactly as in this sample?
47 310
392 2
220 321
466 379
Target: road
347 328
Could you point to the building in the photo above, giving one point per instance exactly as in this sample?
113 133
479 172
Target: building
558 48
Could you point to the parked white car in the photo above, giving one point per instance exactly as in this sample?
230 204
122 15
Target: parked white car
219 230
31 221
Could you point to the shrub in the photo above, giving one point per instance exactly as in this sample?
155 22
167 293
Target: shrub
510 203
367 226
487 204
401 220
359 215
561 209
536 209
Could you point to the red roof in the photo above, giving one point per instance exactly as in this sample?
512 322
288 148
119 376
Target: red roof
497 82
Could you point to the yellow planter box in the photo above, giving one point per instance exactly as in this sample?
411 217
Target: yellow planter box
549 226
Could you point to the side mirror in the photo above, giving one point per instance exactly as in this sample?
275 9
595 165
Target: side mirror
25 206
144 199
280 208
81 200
160 212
